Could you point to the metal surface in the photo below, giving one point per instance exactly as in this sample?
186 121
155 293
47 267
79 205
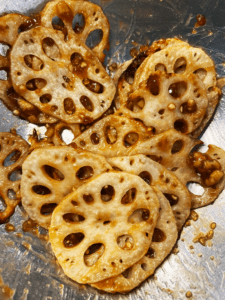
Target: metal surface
33 274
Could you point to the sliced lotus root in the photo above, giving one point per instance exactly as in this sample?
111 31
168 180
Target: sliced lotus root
10 26
50 173
167 101
156 175
92 19
113 136
104 227
164 238
207 170
63 79
13 151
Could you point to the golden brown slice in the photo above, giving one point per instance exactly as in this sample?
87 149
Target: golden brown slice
113 136
104 227
10 26
92 17
167 101
164 238
13 152
49 174
156 175
61 78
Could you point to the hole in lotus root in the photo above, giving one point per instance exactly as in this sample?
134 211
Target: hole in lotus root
145 175
177 89
11 194
58 24
74 203
153 84
151 253
4 74
160 67
107 193
94 38
188 107
125 242
129 196
201 73
156 158
177 146
158 236
78 23
130 139
136 104
95 138
78 63
73 239
4 49
85 172
144 267
51 49
69 106
2 204
15 174
88 198
47 209
93 86
110 134
36 83
116 168
33 62
126 274
73 218
46 98
11 158
180 65
139 215
66 135
86 102
93 253
41 190
181 125
173 199
53 172
195 188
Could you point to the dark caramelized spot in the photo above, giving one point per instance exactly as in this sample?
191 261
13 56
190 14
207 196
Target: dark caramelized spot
53 172
47 209
41 190
145 175
73 239
33 62
153 84
110 134
201 20
136 104
180 65
177 146
173 199
69 106
177 89
93 86
36 83
85 172
32 22
158 236
151 253
46 98
78 23
130 139
181 125
129 196
95 138
107 193
139 215
88 198
79 64
73 218
86 102
94 38
156 158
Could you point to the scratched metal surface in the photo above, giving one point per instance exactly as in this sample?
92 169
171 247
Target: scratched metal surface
33 274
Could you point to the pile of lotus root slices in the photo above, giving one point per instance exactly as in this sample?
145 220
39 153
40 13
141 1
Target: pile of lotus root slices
115 198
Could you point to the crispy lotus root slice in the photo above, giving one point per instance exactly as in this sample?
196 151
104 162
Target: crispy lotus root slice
113 136
156 175
63 79
104 227
167 101
164 238
10 26
50 173
93 20
13 151
207 170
